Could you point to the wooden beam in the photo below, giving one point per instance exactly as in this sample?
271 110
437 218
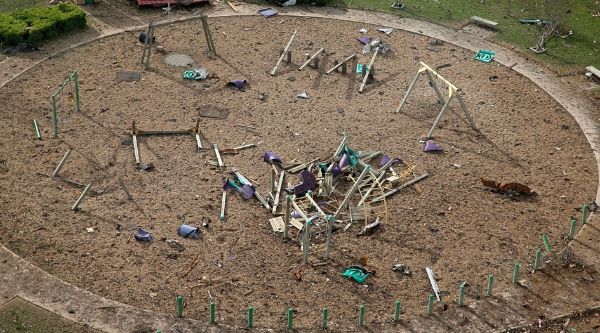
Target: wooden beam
284 53
343 62
311 58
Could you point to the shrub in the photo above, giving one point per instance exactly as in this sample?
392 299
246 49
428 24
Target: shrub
35 25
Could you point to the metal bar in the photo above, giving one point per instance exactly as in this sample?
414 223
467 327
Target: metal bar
306 237
175 132
150 38
136 151
219 160
343 62
310 59
81 197
401 187
464 107
352 190
284 53
410 89
199 142
208 35
286 221
312 201
279 186
432 71
223 203
435 87
437 120
262 200
61 163
375 182
142 61
129 197
364 83
434 285
329 236
76 87
54 116
36 128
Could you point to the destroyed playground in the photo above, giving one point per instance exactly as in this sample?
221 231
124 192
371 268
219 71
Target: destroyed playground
336 172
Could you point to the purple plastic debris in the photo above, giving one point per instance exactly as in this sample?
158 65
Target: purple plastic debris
432 147
336 171
309 182
385 159
267 12
187 231
344 161
364 40
239 84
296 215
270 157
143 235
247 191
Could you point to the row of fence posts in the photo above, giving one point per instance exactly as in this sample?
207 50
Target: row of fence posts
397 305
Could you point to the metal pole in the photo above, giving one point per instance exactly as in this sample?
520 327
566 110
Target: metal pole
136 152
435 122
435 87
218 155
284 53
129 197
410 89
464 107
279 185
54 115
329 236
76 87
81 197
36 128
223 203
352 190
61 163
362 86
286 221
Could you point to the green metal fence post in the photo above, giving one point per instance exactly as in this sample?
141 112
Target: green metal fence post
250 317
290 319
361 315
180 306
325 313
75 79
54 115
490 285
212 311
584 213
397 309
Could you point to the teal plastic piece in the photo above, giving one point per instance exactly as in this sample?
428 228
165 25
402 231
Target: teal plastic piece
485 55
356 273
190 75
359 68
352 155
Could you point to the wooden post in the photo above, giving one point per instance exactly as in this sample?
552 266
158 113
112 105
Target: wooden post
218 155
342 63
310 59
197 134
368 70
286 221
289 57
136 151
316 62
61 163
223 203
208 35
344 68
81 197
464 108
284 53
36 129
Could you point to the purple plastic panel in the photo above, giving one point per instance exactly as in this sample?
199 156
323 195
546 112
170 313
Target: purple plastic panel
309 183
364 40
270 157
385 159
143 235
431 146
239 84
247 191
267 12
344 161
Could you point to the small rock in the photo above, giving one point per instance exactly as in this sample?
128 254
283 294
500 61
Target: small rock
291 78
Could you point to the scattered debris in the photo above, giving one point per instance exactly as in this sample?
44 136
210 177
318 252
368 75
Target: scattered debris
23 47
436 42
196 74
272 158
145 166
175 245
364 40
370 228
277 224
143 235
267 12
386 31
363 31
438 67
90 230
128 76
142 38
434 285
485 55
308 183
302 95
357 273
238 84
432 147
187 231
510 188
402 268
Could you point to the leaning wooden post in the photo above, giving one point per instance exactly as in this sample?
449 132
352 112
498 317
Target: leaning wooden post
362 86
81 197
223 204
218 155
342 63
352 190
278 191
197 134
546 242
284 53
61 163
441 98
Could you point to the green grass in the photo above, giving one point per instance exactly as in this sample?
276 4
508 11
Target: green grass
580 49
12 5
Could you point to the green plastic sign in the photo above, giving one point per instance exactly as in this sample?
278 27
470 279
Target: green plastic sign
485 55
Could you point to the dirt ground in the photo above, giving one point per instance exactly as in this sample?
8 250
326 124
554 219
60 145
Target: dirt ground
454 226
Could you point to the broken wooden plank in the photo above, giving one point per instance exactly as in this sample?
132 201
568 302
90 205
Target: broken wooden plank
277 224
285 50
